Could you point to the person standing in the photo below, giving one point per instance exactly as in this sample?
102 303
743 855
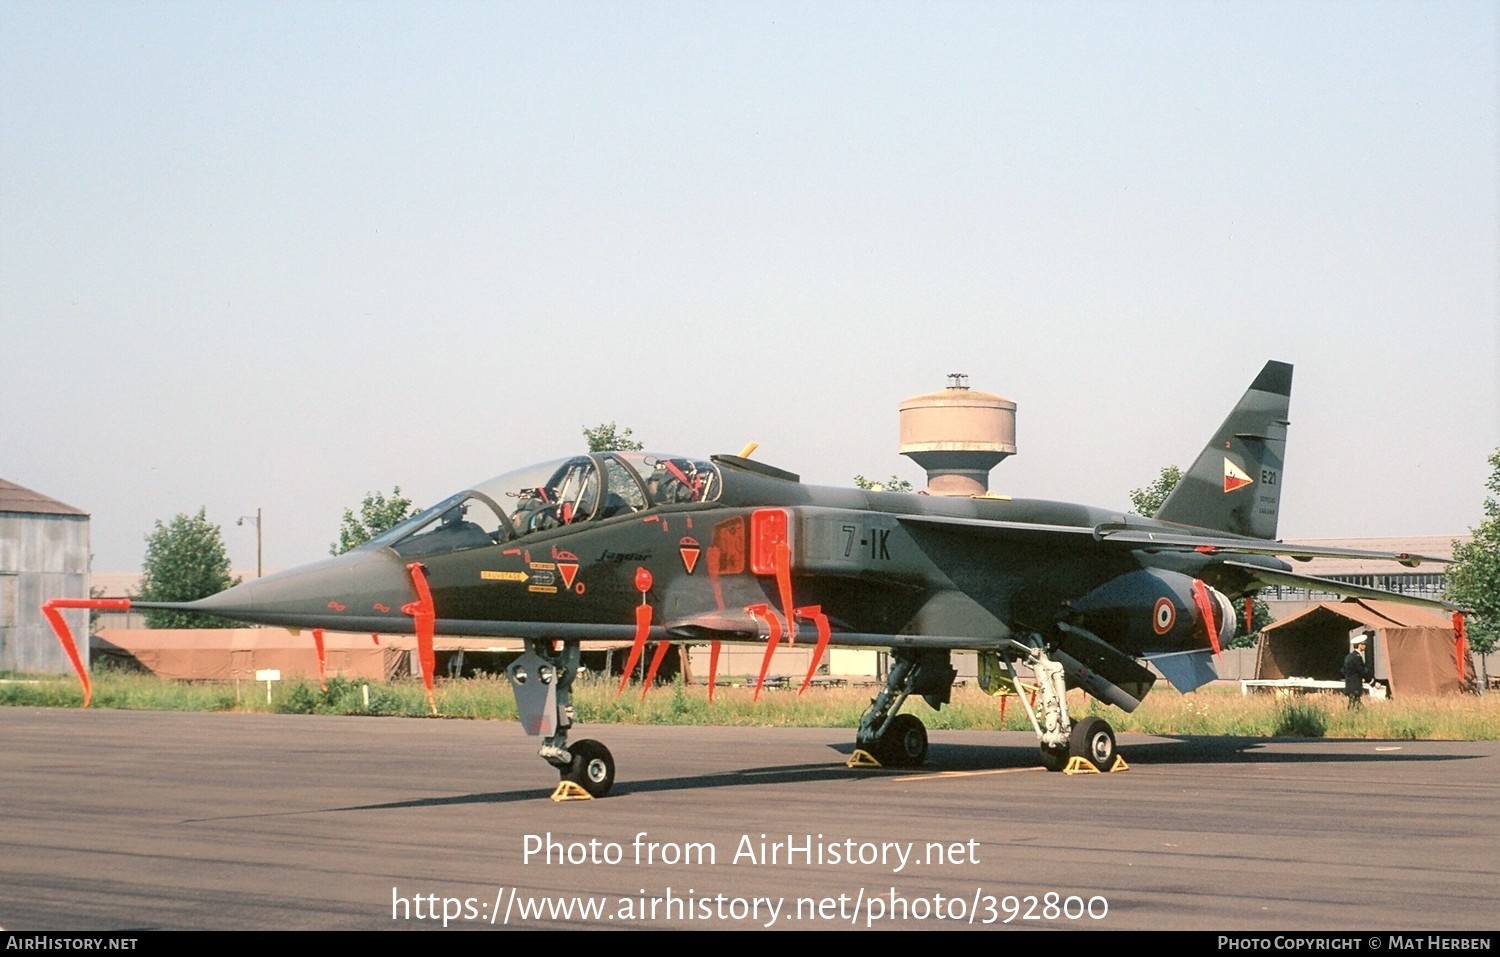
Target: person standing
1356 669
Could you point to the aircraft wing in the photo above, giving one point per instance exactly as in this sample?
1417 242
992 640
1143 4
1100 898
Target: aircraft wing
1139 537
1000 529
1222 547
714 626
1136 536
720 626
1228 546
1269 576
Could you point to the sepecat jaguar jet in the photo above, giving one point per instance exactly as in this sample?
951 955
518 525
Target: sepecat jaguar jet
658 548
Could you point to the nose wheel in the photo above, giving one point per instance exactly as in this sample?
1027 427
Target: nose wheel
592 767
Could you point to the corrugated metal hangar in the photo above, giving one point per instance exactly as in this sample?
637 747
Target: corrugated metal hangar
44 553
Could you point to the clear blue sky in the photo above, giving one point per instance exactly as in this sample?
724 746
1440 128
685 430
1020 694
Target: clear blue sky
282 254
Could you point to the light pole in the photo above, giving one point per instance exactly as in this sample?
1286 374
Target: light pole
241 521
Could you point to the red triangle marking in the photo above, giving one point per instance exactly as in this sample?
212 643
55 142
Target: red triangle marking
1234 477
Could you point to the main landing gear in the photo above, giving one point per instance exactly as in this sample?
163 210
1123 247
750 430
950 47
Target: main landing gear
900 740
1088 745
891 739
542 680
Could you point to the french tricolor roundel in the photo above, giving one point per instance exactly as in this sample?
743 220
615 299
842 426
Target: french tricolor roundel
1163 616
1234 476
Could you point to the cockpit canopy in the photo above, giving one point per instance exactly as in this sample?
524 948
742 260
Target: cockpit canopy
564 492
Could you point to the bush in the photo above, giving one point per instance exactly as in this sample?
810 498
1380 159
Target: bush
680 705
1299 719
342 697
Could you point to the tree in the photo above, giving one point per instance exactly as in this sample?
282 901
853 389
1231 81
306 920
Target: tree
1473 581
1260 618
892 484
610 438
1147 500
376 514
185 561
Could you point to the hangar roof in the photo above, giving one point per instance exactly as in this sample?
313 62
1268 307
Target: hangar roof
14 498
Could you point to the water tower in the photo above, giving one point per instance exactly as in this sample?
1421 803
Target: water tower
958 435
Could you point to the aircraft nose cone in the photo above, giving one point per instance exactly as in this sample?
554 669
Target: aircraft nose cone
362 590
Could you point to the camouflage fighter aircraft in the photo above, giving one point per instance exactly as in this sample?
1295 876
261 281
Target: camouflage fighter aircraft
671 548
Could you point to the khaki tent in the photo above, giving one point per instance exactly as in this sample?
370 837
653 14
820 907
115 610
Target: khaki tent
1416 651
226 654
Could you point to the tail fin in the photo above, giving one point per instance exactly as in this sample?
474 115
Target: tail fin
1235 483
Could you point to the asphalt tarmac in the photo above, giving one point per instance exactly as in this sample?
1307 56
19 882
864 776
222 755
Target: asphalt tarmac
120 821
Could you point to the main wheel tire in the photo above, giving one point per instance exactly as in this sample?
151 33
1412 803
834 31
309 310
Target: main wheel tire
1054 759
904 743
1093 740
592 768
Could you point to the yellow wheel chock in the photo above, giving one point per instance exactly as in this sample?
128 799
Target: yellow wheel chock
862 759
1079 765
568 791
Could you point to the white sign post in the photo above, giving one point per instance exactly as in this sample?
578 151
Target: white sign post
268 675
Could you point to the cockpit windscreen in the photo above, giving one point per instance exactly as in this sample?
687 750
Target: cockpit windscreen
565 492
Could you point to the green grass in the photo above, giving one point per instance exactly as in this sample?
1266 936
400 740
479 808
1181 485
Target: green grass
1210 711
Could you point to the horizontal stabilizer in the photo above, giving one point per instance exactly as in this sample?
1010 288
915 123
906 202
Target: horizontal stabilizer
1186 670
